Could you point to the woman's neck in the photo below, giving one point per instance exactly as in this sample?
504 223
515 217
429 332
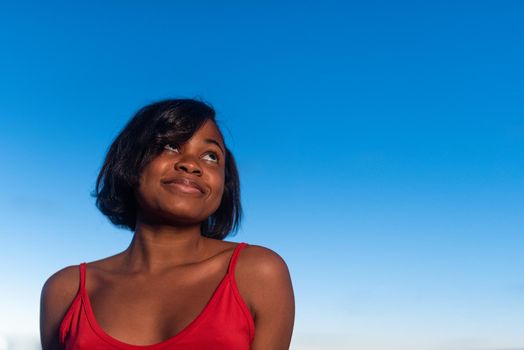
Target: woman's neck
155 247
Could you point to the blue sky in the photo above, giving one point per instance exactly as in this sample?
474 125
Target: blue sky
380 147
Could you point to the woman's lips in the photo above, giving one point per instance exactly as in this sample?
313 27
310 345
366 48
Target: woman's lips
185 185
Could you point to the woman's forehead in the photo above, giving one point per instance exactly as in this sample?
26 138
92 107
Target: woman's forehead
210 133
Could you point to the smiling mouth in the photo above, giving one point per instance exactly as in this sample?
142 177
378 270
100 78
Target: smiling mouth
185 186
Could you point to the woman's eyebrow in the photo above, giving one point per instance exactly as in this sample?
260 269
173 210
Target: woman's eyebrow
216 143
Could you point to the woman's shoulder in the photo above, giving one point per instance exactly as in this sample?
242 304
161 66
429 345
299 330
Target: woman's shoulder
260 268
58 293
262 260
63 284
264 283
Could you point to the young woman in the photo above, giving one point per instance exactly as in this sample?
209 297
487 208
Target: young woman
169 178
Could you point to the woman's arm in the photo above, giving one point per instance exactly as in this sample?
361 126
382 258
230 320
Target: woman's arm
264 281
57 294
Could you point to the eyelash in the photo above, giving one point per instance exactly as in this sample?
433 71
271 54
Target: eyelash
176 148
169 147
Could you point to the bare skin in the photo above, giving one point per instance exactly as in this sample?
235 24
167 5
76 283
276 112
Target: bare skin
169 272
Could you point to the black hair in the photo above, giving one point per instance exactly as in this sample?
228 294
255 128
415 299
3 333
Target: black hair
141 140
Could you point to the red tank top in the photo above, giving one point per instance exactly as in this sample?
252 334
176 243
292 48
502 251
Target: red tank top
225 323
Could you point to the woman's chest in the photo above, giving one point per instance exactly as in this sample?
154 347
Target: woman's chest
147 311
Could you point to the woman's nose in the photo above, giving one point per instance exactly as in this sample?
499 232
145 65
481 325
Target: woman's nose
188 165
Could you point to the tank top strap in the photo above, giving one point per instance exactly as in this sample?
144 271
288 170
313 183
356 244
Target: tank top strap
82 284
234 257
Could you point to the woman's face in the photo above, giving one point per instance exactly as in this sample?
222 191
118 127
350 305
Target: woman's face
184 183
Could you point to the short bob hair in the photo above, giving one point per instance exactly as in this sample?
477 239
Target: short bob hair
141 140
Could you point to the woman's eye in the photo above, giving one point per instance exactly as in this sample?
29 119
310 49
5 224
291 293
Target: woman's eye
211 156
171 147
